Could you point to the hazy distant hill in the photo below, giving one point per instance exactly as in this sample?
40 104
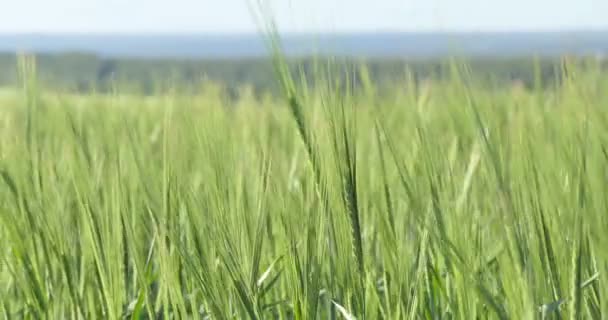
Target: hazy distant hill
410 45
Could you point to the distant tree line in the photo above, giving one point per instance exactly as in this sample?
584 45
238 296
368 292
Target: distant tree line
86 72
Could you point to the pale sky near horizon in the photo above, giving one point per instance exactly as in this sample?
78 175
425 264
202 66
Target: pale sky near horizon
233 16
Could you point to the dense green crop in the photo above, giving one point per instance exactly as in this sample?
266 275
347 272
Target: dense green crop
437 201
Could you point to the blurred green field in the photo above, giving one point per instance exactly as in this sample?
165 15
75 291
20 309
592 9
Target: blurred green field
438 200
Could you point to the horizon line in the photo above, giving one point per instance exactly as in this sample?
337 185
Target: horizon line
307 33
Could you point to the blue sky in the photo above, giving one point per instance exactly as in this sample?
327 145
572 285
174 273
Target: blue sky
233 16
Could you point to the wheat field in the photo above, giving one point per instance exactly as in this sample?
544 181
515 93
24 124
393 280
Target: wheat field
447 199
